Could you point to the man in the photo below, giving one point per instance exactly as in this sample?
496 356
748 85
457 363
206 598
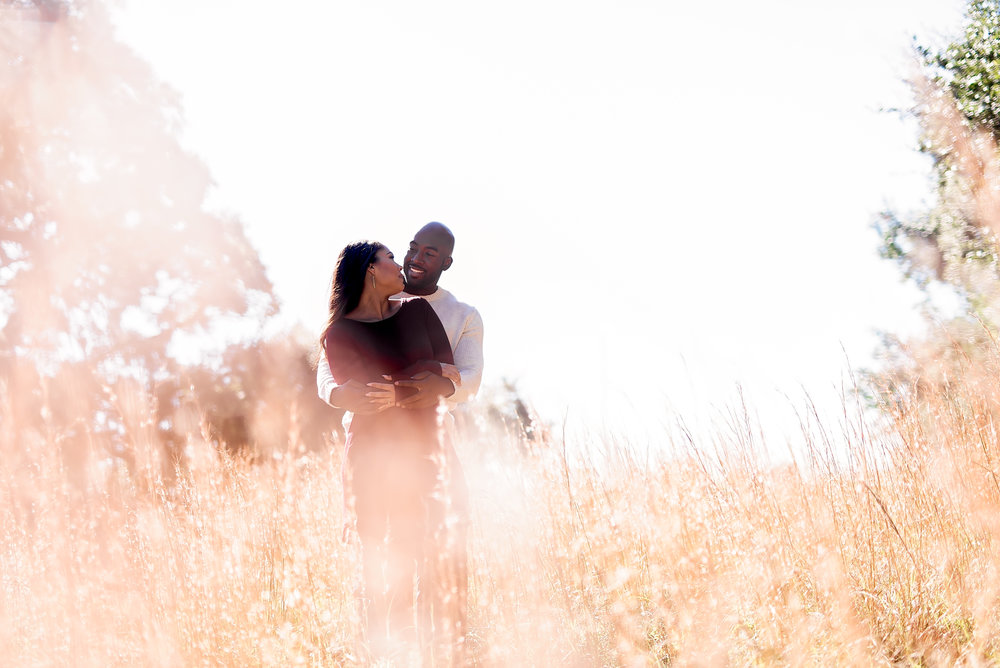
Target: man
428 256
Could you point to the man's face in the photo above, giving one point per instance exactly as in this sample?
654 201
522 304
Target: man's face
429 255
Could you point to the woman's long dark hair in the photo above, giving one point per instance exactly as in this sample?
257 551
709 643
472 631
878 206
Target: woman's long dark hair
349 280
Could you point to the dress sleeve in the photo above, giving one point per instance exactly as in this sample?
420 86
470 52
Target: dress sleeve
438 337
424 314
433 366
344 361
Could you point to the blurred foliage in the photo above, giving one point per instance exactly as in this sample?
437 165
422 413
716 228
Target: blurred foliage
953 244
502 409
106 248
110 261
958 107
971 66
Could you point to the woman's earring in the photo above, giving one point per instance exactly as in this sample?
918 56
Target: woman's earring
373 280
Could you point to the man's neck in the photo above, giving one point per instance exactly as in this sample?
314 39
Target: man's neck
423 293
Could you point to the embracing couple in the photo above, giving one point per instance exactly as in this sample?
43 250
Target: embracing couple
395 348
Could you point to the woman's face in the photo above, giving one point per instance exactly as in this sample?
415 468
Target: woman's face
388 274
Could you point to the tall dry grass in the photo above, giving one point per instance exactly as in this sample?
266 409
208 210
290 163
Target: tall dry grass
876 545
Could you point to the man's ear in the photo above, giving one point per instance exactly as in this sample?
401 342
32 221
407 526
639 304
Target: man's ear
446 263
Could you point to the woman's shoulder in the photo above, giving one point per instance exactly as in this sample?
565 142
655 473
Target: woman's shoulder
414 304
340 329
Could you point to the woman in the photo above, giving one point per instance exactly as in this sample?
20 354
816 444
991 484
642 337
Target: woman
393 455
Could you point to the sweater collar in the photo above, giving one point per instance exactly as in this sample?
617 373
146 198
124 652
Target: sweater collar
437 295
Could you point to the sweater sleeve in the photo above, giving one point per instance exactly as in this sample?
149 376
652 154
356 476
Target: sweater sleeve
325 384
469 358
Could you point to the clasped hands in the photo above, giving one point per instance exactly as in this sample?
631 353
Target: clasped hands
428 389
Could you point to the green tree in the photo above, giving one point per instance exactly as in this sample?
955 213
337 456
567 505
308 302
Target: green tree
958 107
954 243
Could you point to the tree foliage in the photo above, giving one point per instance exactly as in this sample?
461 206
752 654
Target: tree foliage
970 66
110 261
106 246
954 242
958 106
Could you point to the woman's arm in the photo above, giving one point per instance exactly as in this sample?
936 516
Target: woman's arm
439 337
449 371
342 367
430 366
430 386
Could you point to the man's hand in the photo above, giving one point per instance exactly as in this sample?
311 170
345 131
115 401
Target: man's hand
451 372
353 396
430 387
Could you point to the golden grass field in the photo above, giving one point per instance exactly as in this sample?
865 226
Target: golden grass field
874 542
876 546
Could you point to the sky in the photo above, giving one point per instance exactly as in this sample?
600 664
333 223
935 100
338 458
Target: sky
657 205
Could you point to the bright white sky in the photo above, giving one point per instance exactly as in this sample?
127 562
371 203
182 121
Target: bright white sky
653 201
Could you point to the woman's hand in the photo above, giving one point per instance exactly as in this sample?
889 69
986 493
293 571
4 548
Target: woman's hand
430 388
352 396
382 395
451 372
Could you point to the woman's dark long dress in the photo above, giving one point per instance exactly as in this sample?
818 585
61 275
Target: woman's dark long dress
393 458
